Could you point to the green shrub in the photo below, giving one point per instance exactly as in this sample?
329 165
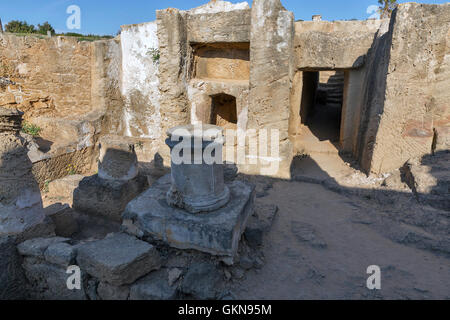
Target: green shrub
31 129
155 54
16 26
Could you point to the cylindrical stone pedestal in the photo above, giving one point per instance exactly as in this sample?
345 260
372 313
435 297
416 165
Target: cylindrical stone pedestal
118 160
197 185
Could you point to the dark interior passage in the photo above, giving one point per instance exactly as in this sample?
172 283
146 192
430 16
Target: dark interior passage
224 112
322 99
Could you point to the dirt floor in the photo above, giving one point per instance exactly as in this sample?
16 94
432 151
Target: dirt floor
331 226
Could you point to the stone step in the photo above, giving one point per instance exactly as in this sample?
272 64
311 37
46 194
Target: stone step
336 100
338 95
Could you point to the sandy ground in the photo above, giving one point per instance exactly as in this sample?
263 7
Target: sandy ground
318 250
334 222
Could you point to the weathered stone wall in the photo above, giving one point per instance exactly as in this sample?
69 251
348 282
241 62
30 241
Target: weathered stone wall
56 84
172 37
106 81
52 75
204 52
329 47
333 45
227 61
271 47
351 107
140 82
161 74
232 26
405 99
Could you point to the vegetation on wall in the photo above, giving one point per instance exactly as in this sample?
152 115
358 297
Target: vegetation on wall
16 26
83 37
155 54
45 28
386 8
31 129
23 28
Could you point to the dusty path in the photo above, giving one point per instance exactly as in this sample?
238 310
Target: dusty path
320 247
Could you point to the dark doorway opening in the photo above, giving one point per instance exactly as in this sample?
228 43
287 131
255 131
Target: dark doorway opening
223 111
322 100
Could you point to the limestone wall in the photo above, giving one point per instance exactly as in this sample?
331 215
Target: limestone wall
140 81
165 73
271 74
52 75
407 113
55 82
204 53
333 45
232 26
329 47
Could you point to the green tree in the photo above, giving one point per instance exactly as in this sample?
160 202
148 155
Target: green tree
386 8
42 29
16 26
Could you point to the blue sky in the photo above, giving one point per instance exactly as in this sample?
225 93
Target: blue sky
106 16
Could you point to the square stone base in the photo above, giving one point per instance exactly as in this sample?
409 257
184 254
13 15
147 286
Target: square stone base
217 233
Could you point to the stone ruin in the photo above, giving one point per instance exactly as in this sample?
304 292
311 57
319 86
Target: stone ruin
95 189
194 208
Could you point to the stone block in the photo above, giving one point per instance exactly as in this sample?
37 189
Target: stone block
61 254
65 187
118 259
216 232
259 224
201 281
155 286
49 282
36 247
106 198
108 292
12 280
118 160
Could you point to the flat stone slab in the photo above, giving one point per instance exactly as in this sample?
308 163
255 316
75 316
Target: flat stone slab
217 233
118 259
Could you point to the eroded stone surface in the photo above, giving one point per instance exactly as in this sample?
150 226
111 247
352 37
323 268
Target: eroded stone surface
201 281
12 280
49 282
217 232
118 259
109 292
155 286
118 160
61 254
106 198
36 247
